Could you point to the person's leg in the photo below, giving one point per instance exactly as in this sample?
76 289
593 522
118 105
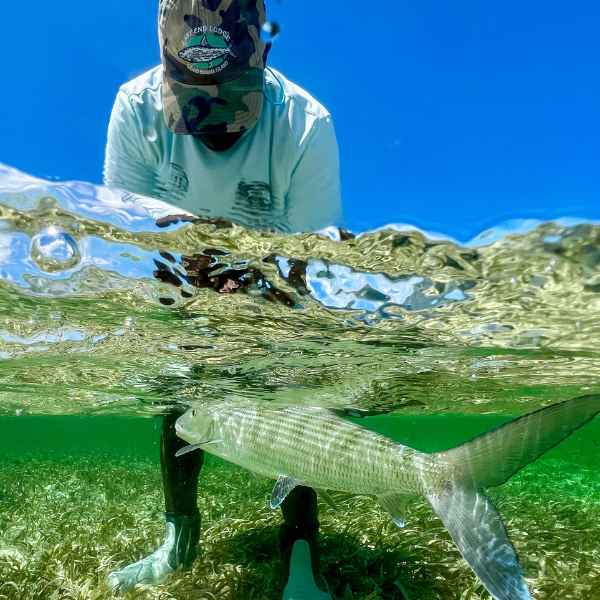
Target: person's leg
300 522
180 484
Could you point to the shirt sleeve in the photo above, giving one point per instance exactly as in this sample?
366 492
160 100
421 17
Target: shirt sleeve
313 201
129 162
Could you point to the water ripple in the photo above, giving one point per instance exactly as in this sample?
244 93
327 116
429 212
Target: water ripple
104 309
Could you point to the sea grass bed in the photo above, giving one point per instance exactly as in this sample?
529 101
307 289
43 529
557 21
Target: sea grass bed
67 520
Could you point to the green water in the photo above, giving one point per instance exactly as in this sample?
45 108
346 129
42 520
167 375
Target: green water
26 435
80 496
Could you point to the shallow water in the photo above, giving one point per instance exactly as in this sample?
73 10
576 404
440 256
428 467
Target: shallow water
106 315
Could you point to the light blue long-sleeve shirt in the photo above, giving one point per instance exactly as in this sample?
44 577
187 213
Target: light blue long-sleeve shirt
282 174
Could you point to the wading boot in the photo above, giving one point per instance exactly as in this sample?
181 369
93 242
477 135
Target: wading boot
178 550
301 564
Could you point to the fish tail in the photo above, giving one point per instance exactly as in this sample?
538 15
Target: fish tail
487 461
494 457
477 529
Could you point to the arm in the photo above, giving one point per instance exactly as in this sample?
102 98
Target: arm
314 198
131 163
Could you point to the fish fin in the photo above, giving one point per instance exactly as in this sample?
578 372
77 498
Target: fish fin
492 458
477 529
256 476
193 447
283 486
204 42
356 413
327 499
336 412
189 448
487 461
395 504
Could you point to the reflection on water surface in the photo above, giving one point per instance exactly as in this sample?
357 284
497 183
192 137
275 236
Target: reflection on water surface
104 311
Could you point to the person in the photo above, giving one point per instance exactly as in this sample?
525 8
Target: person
230 137
217 134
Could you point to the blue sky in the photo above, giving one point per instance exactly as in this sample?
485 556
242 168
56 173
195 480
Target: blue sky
451 116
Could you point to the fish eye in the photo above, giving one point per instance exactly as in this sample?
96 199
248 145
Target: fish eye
194 412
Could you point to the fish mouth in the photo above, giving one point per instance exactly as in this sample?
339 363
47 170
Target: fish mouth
183 434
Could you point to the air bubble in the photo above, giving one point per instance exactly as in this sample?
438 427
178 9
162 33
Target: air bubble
270 31
53 250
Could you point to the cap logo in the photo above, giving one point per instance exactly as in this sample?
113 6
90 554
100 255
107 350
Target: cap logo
206 53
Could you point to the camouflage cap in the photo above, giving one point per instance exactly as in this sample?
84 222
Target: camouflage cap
213 64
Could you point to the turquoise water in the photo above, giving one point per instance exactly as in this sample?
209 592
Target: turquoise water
106 319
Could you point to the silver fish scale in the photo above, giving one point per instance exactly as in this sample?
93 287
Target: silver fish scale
321 450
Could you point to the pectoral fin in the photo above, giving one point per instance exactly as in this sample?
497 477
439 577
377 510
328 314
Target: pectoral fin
283 487
193 447
187 449
327 499
395 504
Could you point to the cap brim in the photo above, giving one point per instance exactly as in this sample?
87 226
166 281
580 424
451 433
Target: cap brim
227 107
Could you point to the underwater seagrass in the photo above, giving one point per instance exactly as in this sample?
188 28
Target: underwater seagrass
313 447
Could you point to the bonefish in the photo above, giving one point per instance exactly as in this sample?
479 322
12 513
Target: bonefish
315 448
